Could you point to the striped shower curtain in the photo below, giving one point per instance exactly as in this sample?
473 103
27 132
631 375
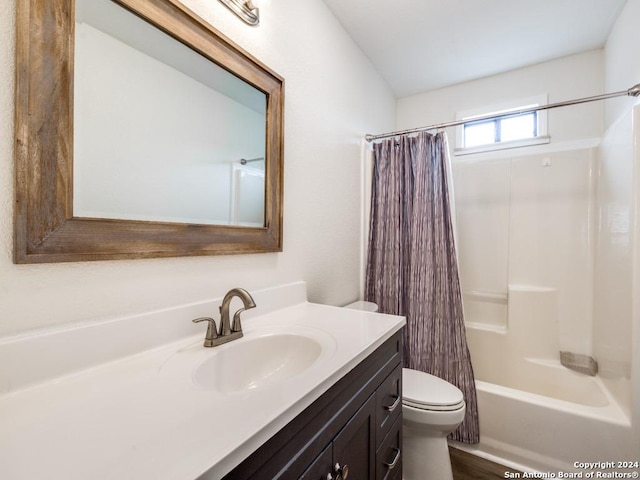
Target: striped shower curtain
412 268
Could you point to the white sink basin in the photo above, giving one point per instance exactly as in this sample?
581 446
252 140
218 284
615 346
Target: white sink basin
258 361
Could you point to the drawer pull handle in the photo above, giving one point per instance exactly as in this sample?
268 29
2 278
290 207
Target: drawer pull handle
393 464
394 405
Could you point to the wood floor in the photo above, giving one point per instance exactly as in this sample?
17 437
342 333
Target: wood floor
469 467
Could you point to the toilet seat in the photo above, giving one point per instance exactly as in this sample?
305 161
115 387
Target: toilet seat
427 392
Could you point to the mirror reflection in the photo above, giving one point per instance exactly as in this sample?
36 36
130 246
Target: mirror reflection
160 132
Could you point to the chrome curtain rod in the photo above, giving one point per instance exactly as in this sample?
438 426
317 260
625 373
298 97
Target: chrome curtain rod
244 161
632 92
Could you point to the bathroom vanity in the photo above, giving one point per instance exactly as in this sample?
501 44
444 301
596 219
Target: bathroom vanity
355 426
307 387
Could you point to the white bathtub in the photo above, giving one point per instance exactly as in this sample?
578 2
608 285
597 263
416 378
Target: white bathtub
536 415
537 433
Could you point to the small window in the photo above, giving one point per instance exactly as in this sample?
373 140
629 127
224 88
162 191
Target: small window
509 130
502 129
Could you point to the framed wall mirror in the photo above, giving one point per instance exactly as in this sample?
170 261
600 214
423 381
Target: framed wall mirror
141 132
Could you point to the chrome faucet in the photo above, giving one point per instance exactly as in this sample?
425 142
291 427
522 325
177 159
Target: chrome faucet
228 331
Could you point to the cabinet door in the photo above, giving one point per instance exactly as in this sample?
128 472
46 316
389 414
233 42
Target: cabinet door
321 466
354 447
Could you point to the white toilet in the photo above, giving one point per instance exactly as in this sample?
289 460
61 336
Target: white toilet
432 408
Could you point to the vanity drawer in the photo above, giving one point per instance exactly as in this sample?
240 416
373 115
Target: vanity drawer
389 453
388 403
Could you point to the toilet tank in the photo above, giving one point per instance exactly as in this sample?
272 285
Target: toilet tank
363 305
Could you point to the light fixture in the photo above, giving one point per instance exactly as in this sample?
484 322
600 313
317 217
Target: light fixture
247 10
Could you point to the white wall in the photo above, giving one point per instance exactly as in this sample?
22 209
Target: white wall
567 78
621 61
616 339
333 97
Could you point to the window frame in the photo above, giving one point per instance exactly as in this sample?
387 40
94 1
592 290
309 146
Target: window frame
504 110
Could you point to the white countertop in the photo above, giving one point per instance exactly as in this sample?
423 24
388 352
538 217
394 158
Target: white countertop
143 417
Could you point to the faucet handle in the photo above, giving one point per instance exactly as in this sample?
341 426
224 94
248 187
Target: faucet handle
236 326
211 330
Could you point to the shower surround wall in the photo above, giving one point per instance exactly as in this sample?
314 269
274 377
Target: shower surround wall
616 340
539 221
525 249
562 228
613 293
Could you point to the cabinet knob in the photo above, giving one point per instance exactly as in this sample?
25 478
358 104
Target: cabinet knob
342 472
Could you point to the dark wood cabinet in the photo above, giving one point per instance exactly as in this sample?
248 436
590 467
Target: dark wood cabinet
389 454
323 465
356 425
353 447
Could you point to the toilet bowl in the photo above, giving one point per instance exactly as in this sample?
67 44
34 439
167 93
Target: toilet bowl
432 408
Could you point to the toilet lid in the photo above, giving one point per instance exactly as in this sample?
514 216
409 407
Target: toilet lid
428 392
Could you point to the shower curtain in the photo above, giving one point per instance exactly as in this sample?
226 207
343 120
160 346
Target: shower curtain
412 267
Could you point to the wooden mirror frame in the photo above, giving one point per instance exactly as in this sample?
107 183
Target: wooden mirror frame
45 229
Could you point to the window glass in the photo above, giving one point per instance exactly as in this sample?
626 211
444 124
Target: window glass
501 129
518 127
509 124
481 133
